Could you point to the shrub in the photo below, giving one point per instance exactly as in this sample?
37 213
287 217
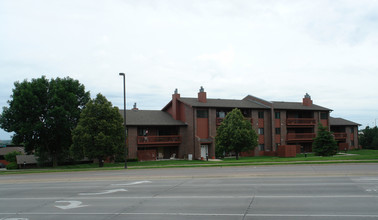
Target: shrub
12 166
132 160
11 157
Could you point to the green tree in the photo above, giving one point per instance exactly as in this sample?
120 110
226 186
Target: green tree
11 157
235 134
369 138
100 132
42 114
324 144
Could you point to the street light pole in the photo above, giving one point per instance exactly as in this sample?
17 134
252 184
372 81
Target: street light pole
124 115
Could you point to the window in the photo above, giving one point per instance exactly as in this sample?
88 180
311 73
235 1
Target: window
352 130
277 115
278 130
261 147
221 114
143 131
246 113
323 115
261 114
261 131
201 113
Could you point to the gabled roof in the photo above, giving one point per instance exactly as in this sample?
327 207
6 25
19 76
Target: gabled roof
298 106
150 118
341 122
222 103
258 100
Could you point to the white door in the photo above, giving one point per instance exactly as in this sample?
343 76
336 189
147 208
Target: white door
204 150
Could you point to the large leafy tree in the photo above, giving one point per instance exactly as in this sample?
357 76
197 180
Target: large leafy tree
235 134
42 114
324 144
100 132
369 138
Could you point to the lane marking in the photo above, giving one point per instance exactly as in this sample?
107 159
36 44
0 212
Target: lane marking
103 193
366 179
201 214
14 219
130 184
372 190
71 205
198 197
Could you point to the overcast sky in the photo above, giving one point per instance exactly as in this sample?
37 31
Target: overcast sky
275 50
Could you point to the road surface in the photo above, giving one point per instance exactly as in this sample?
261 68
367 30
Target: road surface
347 191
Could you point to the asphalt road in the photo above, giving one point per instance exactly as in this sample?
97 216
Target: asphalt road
264 192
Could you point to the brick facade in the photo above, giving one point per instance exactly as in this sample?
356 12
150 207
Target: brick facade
197 119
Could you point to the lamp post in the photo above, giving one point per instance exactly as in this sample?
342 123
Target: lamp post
124 115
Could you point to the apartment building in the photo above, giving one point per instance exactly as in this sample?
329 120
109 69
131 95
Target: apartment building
345 133
186 127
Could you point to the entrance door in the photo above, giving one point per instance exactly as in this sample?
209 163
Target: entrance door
204 150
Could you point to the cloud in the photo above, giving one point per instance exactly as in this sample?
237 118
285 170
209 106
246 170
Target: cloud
276 50
224 58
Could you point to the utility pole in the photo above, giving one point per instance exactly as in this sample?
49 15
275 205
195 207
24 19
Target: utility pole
124 115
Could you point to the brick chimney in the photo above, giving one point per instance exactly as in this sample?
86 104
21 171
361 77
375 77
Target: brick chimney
176 95
175 105
135 107
202 95
307 100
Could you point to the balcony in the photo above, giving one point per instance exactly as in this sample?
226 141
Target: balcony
159 140
300 122
340 136
300 136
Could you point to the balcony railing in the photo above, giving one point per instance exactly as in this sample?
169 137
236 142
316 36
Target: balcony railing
300 136
167 139
340 136
300 121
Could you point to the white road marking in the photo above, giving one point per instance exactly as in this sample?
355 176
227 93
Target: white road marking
198 197
366 179
372 190
130 184
104 192
353 216
14 219
71 205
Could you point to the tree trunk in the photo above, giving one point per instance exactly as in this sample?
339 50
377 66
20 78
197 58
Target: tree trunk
100 162
55 160
237 155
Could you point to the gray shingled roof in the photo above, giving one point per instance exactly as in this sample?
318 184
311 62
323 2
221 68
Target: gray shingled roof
340 121
6 150
27 159
298 106
222 103
150 118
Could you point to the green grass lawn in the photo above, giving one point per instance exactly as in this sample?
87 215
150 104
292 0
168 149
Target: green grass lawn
355 156
351 155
